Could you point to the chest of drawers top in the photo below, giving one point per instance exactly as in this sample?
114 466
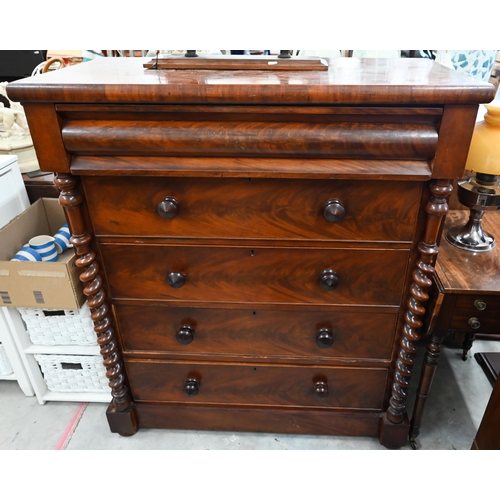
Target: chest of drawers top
347 81
279 123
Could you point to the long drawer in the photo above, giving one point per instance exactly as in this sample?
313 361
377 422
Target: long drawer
253 208
256 332
245 384
257 275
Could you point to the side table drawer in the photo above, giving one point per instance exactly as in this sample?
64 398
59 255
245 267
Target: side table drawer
477 313
353 388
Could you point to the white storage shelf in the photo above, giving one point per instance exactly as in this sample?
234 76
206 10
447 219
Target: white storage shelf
13 201
28 351
13 335
6 370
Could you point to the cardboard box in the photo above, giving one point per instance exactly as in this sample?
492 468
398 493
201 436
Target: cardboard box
43 285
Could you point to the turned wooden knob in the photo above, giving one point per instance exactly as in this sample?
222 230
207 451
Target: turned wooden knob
176 280
474 323
324 337
185 335
329 279
334 211
191 387
320 391
168 208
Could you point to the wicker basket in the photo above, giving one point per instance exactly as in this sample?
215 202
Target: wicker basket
5 366
69 373
59 327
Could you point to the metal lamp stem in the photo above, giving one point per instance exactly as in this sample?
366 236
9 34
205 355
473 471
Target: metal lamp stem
472 236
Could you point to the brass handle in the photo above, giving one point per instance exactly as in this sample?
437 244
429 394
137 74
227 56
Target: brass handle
176 280
320 391
324 337
329 279
168 208
474 323
334 211
185 335
480 305
191 387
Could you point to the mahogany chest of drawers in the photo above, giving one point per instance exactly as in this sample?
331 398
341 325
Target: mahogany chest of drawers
256 246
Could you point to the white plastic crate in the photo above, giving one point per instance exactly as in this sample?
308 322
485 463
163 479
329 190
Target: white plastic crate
69 373
59 327
5 366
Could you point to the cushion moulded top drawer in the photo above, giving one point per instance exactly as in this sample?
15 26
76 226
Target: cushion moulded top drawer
253 208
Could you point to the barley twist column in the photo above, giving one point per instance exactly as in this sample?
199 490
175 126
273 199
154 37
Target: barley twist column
436 208
71 199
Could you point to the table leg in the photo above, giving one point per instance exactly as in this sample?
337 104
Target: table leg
467 344
426 377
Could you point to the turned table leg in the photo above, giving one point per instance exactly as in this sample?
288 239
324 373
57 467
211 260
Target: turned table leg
424 387
467 344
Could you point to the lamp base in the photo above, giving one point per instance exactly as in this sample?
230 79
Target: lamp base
472 237
463 243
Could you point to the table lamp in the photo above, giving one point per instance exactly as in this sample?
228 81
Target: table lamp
481 191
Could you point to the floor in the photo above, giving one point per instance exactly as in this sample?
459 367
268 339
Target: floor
453 413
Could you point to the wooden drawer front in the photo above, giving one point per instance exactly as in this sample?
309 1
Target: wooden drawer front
257 332
201 137
276 275
470 307
253 208
356 388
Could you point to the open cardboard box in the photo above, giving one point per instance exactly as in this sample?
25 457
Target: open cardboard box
41 285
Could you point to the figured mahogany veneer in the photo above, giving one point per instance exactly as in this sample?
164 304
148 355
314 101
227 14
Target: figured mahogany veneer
283 334
257 246
237 384
269 208
226 138
276 168
260 275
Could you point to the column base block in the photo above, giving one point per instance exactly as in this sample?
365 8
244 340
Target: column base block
122 422
393 436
